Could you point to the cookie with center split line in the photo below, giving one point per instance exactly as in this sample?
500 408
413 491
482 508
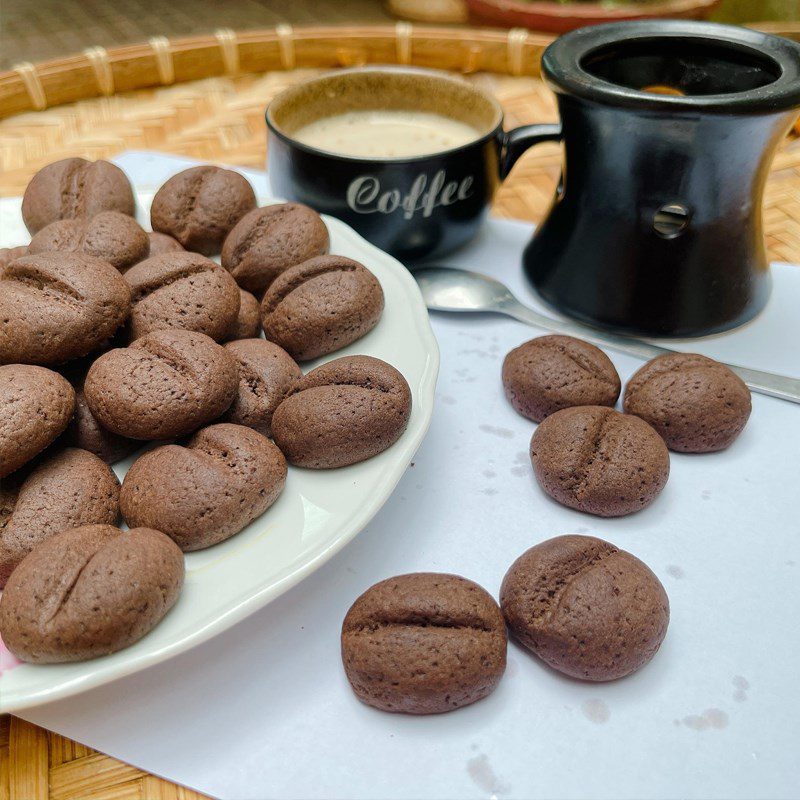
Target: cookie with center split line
266 374
594 459
201 494
345 411
424 643
55 307
109 236
549 373
182 291
199 206
165 384
88 592
269 240
36 406
320 306
696 404
73 188
65 489
585 607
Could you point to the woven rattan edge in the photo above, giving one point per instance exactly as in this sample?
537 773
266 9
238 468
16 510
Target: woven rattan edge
160 61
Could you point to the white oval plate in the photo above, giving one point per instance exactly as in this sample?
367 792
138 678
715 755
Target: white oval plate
318 513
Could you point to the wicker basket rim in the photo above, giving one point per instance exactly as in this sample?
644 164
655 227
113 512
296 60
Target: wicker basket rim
29 86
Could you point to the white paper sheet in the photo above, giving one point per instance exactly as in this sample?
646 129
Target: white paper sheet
265 711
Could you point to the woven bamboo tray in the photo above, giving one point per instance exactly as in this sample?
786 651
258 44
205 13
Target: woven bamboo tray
204 97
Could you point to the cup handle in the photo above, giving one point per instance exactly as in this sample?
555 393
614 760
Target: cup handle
515 142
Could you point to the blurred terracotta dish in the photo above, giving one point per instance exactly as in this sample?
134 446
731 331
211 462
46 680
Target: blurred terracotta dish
562 17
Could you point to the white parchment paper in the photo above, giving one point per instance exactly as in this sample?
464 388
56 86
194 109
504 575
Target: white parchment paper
264 710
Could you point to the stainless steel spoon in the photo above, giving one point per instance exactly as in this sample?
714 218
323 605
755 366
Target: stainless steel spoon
450 289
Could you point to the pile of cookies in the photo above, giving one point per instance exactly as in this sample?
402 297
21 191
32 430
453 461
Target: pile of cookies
589 457
112 337
428 643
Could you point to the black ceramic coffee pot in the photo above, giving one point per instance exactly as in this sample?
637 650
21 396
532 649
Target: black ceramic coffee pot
669 128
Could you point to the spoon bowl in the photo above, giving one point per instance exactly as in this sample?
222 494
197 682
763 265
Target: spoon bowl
446 289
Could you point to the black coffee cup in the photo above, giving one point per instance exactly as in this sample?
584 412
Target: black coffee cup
414 207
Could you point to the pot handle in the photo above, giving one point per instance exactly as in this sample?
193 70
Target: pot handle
515 142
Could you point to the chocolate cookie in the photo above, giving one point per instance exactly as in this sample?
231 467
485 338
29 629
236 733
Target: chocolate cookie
424 644
269 240
597 460
87 433
109 236
266 373
36 405
9 254
697 404
69 488
75 187
182 290
199 206
549 373
248 323
586 608
320 306
161 243
204 493
342 412
88 592
58 306
166 384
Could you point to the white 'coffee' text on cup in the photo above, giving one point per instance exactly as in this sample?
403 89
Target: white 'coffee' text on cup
364 195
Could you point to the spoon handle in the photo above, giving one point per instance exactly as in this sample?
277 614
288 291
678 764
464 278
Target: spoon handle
767 383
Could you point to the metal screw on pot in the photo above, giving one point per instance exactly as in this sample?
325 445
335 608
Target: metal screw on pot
671 220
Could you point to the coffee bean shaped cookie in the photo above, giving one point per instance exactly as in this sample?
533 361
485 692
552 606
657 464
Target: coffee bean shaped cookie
269 240
320 306
266 373
109 236
166 384
9 254
549 373
58 306
342 412
424 643
36 406
88 592
86 432
199 206
182 290
248 322
69 488
161 243
203 493
75 187
585 607
597 460
697 404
